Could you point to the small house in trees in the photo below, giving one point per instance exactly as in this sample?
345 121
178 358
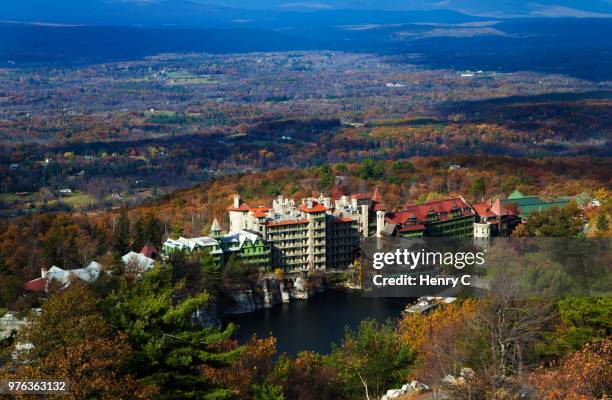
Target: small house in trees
149 251
137 262
64 277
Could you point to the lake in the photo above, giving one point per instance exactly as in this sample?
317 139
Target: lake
316 323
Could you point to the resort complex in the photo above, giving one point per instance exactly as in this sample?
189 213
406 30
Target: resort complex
324 233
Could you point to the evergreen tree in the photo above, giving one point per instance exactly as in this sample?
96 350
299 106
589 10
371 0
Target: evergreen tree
210 274
370 169
147 230
121 234
140 236
171 351
177 230
72 341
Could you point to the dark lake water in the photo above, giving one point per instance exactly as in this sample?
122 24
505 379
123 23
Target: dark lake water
316 323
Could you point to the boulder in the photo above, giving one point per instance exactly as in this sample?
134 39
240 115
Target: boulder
419 387
394 393
300 289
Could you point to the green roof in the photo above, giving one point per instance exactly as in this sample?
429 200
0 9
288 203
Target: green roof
528 205
515 195
524 201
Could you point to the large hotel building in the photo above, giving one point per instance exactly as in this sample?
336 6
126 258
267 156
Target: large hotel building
323 233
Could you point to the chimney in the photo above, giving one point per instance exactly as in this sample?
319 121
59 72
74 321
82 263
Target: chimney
236 200
43 273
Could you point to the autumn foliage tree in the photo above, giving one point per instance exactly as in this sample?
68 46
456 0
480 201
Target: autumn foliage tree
71 341
248 370
440 339
583 375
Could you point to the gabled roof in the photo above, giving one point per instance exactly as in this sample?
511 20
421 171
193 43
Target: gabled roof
36 285
497 208
190 243
515 195
244 207
378 204
316 207
260 211
142 262
418 213
65 277
483 210
215 225
149 251
235 240
376 196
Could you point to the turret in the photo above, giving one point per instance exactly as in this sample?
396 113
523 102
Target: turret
215 229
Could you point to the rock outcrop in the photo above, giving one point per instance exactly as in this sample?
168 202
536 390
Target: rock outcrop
413 387
268 292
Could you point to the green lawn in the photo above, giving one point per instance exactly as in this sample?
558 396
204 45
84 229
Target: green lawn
78 200
13 197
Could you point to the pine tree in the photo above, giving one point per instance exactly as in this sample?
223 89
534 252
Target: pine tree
171 352
121 234
210 274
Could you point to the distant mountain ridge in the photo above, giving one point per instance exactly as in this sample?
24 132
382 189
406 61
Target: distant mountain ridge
224 13
188 13
106 30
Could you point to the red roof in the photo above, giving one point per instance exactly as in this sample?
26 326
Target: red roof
376 196
420 212
36 285
488 209
483 210
149 251
378 203
316 207
288 222
243 207
260 212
